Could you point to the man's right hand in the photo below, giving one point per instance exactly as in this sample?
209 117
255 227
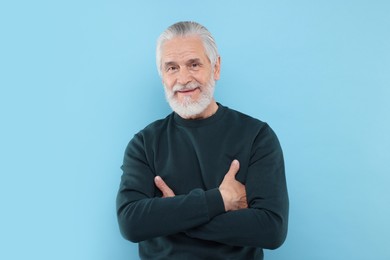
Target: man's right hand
232 191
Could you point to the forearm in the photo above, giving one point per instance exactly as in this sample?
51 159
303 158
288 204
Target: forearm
142 214
152 217
246 227
264 223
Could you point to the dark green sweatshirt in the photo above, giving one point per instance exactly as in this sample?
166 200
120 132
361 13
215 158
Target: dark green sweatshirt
193 156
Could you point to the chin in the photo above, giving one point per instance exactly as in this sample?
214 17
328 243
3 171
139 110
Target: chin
187 107
190 109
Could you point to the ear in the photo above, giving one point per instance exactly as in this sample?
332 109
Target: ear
217 68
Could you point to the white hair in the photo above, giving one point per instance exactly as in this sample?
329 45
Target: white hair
183 29
189 108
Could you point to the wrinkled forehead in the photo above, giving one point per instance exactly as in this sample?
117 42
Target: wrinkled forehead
179 48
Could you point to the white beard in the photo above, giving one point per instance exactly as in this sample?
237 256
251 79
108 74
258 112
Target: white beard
188 108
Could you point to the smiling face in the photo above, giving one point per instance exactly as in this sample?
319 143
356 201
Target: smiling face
189 77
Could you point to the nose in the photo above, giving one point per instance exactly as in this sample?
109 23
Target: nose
184 76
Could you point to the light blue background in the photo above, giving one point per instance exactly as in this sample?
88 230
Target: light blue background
78 80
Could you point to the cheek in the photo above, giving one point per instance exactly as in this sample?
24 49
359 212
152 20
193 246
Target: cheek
200 78
168 82
207 76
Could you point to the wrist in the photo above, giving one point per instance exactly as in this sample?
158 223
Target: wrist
225 199
214 202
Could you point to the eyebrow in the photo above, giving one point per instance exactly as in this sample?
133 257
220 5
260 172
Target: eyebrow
169 63
196 60
190 61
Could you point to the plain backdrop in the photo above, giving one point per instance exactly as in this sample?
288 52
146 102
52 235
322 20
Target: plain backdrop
78 80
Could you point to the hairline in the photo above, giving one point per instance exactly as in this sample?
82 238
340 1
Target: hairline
195 36
197 31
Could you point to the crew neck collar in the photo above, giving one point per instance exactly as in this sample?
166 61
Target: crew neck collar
200 122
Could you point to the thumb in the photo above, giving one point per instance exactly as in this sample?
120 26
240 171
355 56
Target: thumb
163 187
234 167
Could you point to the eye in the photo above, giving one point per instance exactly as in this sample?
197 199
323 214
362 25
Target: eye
171 68
195 65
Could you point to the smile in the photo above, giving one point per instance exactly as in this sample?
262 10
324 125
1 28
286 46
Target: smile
187 91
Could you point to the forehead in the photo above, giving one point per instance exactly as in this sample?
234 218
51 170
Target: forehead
182 49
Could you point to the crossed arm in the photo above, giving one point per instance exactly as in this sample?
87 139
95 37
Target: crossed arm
232 191
141 215
235 226
254 214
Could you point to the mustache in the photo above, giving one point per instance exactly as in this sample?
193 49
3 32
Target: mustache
188 86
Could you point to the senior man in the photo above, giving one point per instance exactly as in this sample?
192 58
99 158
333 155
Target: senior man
206 182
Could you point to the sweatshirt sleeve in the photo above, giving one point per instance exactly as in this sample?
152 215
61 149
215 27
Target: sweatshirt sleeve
264 223
142 215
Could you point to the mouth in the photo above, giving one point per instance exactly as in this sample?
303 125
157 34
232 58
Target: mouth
186 91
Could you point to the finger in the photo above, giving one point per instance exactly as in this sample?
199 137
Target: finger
163 187
234 167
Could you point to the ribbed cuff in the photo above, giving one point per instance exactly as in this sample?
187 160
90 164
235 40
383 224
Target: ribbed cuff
214 202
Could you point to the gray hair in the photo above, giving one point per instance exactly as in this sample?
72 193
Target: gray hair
183 29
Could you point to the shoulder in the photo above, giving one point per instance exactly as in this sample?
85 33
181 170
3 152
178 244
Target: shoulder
244 120
149 134
157 126
248 125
